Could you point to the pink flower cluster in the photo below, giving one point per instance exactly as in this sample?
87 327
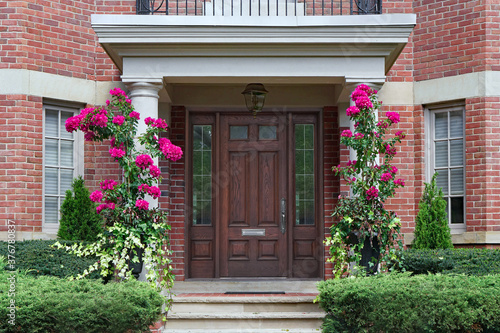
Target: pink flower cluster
399 182
351 163
390 150
400 134
346 133
171 151
118 92
158 123
99 119
142 204
372 193
352 180
361 96
108 184
151 190
154 171
382 124
143 161
393 169
118 120
108 205
352 111
393 117
359 136
117 152
87 117
96 196
363 102
366 89
135 115
386 177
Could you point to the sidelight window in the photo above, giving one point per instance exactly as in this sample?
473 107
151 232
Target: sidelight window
202 175
304 174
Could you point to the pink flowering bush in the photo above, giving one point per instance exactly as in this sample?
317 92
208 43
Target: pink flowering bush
131 226
362 217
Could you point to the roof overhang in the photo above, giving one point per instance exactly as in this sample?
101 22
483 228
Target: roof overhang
192 49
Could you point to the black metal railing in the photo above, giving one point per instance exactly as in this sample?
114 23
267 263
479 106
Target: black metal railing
259 7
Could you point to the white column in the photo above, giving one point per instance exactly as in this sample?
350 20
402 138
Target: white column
144 96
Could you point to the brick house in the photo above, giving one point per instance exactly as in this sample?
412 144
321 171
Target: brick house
437 63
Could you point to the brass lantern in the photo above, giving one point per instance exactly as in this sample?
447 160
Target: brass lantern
255 96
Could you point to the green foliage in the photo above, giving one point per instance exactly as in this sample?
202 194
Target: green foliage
362 215
38 257
431 228
49 304
130 226
449 261
79 219
399 303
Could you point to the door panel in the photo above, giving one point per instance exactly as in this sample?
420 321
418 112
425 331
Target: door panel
254 160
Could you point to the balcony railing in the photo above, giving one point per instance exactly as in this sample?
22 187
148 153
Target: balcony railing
259 7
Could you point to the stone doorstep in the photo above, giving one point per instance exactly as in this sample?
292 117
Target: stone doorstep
222 286
244 330
246 315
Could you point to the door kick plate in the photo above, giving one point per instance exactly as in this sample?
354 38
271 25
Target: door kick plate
253 232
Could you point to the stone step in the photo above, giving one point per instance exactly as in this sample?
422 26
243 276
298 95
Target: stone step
244 330
257 321
244 313
239 303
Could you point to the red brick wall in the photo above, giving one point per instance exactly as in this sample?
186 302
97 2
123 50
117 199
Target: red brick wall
56 37
405 201
173 187
455 37
482 131
21 148
331 183
99 165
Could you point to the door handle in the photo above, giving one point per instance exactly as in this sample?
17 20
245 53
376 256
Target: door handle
283 216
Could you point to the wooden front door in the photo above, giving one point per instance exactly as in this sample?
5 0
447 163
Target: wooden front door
254 196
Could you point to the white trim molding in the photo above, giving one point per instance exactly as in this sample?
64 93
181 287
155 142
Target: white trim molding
195 46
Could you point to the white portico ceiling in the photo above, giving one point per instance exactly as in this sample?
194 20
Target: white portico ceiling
292 50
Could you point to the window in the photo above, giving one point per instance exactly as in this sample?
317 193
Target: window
59 163
447 150
202 174
304 174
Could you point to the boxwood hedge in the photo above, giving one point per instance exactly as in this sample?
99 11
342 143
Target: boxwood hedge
460 261
403 303
37 257
52 305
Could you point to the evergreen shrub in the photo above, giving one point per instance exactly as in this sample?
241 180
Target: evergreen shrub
49 304
431 225
451 261
38 257
399 302
79 219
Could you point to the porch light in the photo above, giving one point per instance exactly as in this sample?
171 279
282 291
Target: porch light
255 96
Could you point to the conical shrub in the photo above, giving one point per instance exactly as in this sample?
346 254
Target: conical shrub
79 219
431 227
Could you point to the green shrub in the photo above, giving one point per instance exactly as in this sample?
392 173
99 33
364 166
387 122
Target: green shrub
40 258
79 219
399 303
49 304
460 261
431 226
